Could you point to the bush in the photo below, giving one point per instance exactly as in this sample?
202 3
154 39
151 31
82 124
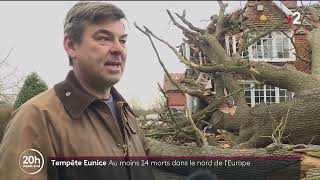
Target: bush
33 85
5 112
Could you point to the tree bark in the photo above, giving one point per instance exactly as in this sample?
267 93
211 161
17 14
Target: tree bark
303 121
274 168
314 41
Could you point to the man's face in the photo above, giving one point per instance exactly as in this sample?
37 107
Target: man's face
100 57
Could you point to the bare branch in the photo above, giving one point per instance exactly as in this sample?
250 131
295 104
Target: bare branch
147 33
163 41
188 23
277 134
9 74
214 105
179 25
245 46
295 47
302 58
6 57
15 84
5 97
181 88
198 133
202 141
168 106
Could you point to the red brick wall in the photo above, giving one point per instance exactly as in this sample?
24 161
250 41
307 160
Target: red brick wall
271 11
302 50
291 4
274 14
176 99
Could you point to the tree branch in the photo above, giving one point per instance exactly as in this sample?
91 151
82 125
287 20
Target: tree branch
6 57
220 22
147 33
181 88
188 23
168 106
179 25
295 47
198 134
261 35
214 105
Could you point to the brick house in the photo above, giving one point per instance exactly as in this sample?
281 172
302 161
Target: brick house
275 48
176 99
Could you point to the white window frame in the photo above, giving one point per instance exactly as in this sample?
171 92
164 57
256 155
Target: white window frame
252 93
234 43
275 35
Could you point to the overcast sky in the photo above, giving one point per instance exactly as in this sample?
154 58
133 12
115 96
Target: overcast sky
35 32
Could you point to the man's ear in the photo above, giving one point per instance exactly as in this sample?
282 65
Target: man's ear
69 46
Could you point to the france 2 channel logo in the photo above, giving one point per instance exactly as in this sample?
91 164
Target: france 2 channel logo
294 18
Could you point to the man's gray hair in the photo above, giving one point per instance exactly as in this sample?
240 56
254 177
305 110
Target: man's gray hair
84 13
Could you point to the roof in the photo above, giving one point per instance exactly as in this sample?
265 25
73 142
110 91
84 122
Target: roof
274 11
283 8
167 85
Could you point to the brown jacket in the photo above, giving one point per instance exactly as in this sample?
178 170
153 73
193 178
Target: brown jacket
67 121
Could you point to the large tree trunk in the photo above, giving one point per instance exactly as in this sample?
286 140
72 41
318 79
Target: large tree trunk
314 41
301 113
272 168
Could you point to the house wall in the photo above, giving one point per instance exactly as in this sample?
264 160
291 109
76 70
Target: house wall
303 49
274 14
291 4
176 99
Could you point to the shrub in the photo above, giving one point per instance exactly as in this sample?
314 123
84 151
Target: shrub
5 112
33 85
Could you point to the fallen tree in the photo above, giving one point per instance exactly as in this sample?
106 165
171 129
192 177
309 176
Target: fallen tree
268 167
296 121
256 126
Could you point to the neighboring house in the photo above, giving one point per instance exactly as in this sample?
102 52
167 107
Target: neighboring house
275 48
176 99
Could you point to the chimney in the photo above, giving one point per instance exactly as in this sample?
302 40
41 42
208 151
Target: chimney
290 4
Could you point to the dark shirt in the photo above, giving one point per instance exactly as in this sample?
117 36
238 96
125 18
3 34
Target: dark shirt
112 107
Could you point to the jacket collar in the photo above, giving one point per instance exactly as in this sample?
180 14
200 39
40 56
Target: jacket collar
75 99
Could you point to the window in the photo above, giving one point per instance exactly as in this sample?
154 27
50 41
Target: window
262 49
284 95
247 92
275 47
232 45
258 94
267 94
270 94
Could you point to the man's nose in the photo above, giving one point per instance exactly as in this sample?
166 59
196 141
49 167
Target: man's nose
117 48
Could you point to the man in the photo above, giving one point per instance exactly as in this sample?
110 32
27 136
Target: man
84 115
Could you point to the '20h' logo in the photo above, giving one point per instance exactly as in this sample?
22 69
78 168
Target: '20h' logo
31 161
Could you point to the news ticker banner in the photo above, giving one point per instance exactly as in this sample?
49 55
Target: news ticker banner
225 167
